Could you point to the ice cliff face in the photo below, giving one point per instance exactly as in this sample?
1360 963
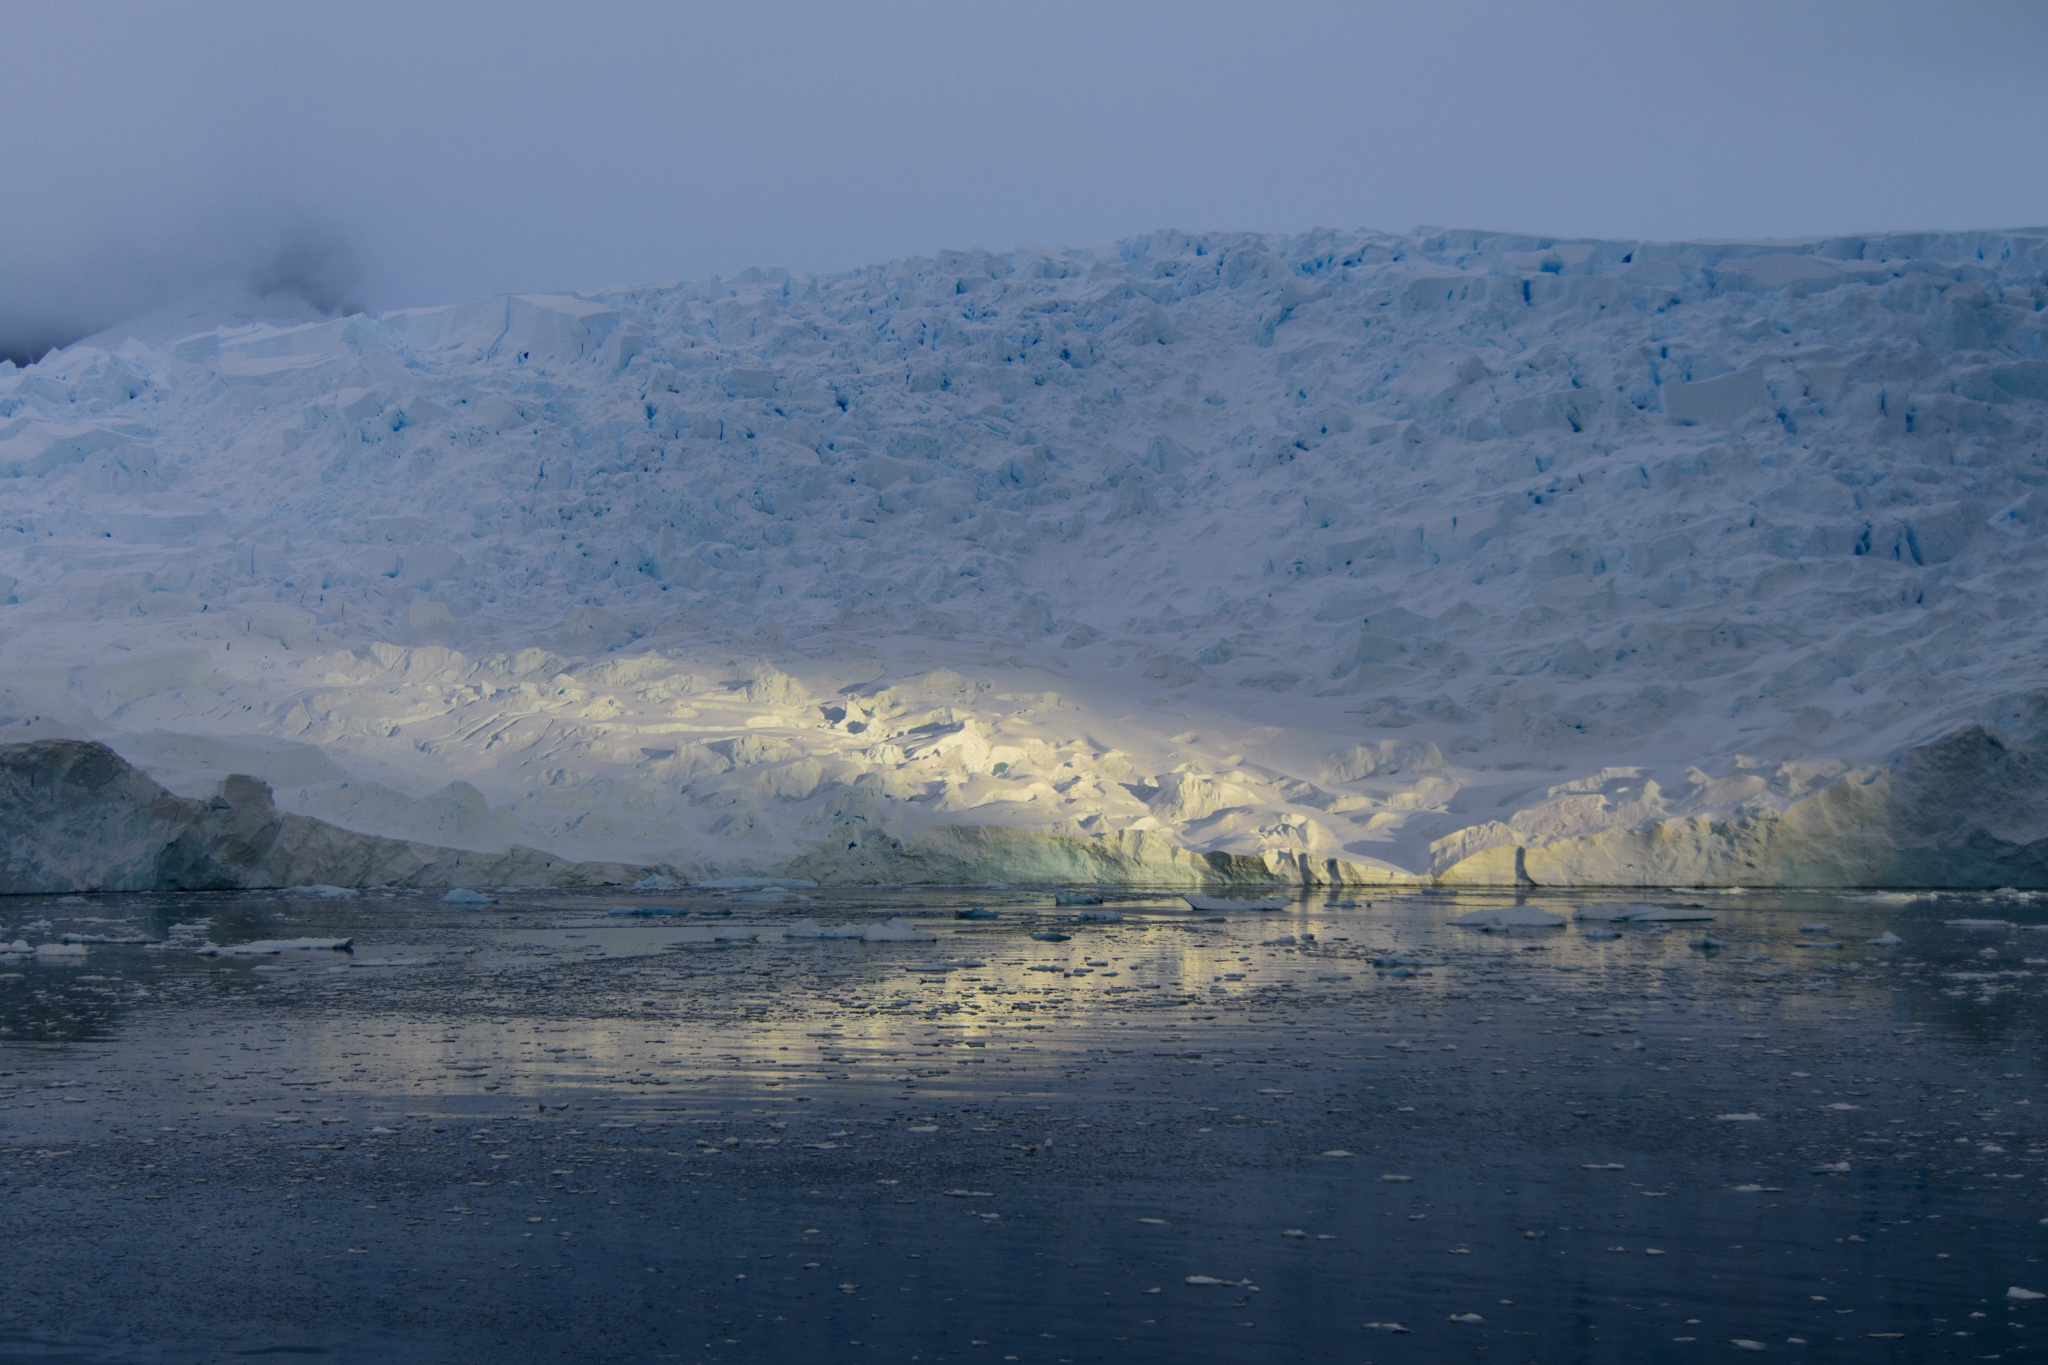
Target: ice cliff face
1467 556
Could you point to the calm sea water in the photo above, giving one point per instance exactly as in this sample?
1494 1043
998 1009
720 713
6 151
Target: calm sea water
539 1130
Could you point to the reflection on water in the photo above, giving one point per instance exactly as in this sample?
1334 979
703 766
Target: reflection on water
1609 1140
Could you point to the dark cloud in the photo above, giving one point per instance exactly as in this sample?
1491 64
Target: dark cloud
314 264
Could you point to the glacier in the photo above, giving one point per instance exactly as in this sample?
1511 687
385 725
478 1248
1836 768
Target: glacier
1453 558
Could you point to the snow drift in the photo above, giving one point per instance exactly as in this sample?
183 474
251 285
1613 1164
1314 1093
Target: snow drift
1465 557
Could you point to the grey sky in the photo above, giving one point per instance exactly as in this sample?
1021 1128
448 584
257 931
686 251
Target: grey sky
404 153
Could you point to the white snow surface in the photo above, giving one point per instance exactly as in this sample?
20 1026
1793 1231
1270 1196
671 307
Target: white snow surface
1377 548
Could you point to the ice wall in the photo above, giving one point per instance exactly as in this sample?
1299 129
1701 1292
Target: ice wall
1336 555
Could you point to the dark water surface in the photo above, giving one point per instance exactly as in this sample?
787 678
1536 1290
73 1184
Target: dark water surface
539 1131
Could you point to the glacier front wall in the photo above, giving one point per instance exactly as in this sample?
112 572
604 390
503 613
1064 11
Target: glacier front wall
1453 558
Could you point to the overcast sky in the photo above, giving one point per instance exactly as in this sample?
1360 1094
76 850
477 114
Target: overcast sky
389 154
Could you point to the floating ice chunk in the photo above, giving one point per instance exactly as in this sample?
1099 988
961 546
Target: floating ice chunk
1816 928
2019 1295
462 895
736 935
1284 941
1051 937
1832 1168
750 883
267 947
73 951
657 882
1707 943
1979 923
1739 1118
1466 1317
1887 939
1224 904
1075 898
1398 1179
18 946
1386 1327
1509 917
1745 1344
648 911
321 890
1600 935
1299 1234
808 928
976 913
894 931
1642 914
1335 1153
771 896
1100 917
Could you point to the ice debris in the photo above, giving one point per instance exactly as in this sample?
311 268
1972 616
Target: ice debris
462 895
1213 904
1509 917
894 931
755 883
1642 914
267 947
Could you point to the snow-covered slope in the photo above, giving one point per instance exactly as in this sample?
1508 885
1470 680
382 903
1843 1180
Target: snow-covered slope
1409 553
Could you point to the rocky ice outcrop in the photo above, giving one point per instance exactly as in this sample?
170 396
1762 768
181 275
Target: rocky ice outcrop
1970 810
78 817
1967 811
